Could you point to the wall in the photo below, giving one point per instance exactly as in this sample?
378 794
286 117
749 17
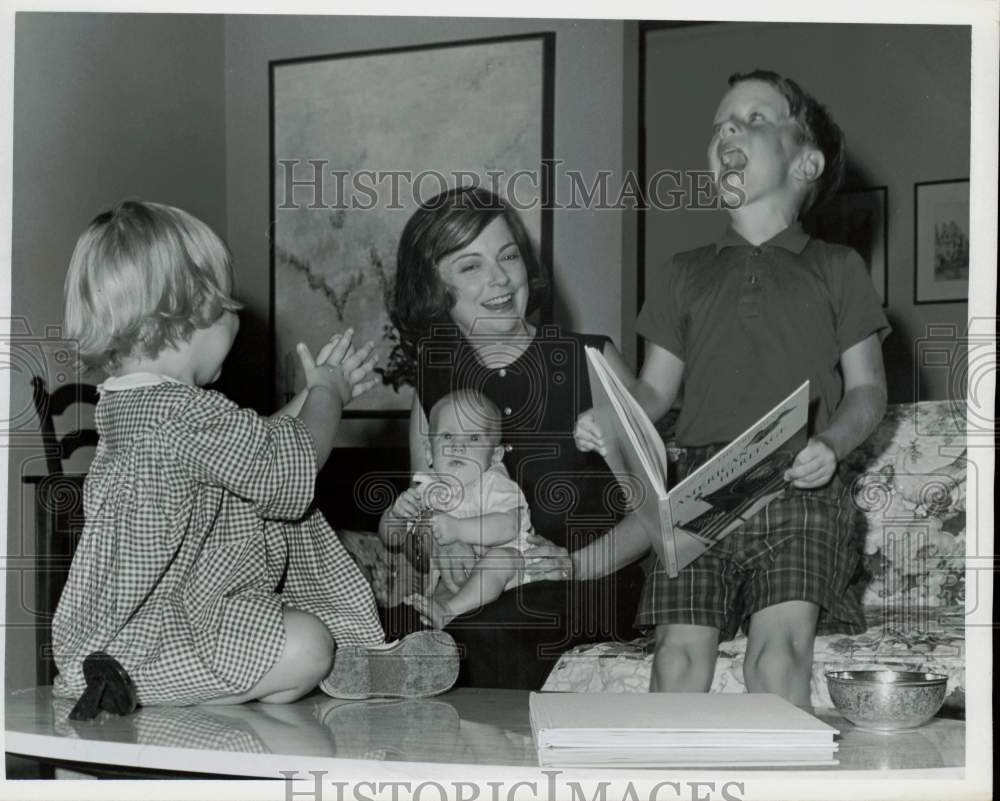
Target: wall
105 106
901 95
593 70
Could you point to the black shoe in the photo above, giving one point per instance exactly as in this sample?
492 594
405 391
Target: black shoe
109 687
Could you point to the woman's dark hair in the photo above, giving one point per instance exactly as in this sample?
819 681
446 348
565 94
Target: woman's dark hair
440 226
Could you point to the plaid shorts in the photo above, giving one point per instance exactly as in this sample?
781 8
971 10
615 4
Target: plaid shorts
803 546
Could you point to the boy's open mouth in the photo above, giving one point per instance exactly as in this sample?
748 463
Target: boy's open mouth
732 158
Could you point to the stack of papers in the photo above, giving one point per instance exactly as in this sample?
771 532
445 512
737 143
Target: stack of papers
677 730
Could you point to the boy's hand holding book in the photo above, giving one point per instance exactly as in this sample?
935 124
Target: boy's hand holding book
587 435
814 465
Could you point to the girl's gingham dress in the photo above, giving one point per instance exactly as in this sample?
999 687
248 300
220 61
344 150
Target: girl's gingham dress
199 528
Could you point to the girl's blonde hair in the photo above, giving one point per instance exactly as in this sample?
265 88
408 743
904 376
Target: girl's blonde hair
144 276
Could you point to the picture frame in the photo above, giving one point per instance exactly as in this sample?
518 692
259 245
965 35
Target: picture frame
941 241
358 141
859 219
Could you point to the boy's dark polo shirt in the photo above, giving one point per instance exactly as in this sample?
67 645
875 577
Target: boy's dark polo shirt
752 323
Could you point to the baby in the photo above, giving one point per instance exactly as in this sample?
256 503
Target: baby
471 499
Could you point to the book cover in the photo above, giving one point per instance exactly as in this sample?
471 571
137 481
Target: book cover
729 489
677 729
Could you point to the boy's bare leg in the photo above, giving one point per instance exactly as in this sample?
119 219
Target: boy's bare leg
779 653
485 584
684 659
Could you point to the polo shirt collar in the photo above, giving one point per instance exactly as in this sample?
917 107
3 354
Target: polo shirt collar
793 239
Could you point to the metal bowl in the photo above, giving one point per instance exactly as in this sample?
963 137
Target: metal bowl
887 700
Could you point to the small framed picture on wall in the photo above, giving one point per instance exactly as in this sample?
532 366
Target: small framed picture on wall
857 218
941 241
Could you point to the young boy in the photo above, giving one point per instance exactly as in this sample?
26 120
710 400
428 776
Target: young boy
471 499
743 321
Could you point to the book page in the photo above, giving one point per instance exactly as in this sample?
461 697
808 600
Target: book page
721 495
635 452
745 476
630 424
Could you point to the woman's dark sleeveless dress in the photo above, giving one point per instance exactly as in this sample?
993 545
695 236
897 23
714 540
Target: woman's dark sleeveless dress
514 641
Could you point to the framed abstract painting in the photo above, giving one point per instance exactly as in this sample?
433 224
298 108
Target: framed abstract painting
358 141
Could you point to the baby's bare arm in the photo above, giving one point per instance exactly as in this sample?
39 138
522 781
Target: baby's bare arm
494 528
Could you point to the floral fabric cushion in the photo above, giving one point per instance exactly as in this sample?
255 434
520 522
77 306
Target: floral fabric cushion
935 645
908 480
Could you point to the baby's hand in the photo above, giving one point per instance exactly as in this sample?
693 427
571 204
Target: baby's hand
407 505
813 466
444 531
587 434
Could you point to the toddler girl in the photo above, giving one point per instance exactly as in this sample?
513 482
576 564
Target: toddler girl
203 567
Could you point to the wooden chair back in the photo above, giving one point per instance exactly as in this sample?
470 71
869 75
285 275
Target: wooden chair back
58 509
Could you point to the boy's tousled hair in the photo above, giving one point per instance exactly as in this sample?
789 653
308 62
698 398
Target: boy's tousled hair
448 222
144 276
817 128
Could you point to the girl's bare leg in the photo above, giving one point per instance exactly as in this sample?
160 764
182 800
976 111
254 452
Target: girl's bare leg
306 659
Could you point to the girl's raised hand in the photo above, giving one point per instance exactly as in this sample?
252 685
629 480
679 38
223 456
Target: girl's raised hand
319 375
357 365
359 368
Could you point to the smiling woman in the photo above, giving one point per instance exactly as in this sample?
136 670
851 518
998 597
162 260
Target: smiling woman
467 281
489 283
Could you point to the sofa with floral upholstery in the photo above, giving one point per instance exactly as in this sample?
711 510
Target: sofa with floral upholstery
908 479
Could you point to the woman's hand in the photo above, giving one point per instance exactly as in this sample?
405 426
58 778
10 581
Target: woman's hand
813 466
455 562
546 561
587 434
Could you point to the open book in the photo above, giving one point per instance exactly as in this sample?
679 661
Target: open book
727 490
